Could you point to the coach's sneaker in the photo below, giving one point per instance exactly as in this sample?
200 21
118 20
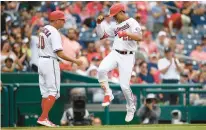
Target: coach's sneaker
107 100
46 122
130 114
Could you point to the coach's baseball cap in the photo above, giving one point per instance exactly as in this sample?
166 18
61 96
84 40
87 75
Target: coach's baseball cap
56 15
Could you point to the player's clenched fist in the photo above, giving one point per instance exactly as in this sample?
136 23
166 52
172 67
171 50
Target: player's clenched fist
79 62
100 18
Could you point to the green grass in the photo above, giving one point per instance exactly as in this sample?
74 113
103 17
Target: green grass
125 127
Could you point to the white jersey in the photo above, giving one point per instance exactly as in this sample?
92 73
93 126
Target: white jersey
124 43
49 41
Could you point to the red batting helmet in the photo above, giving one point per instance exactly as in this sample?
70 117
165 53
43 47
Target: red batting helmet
116 8
55 15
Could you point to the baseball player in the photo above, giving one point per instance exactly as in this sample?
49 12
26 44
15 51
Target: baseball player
126 33
50 50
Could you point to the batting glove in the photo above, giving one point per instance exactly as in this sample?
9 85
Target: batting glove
122 34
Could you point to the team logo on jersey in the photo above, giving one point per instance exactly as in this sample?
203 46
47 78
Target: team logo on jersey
46 32
124 27
137 29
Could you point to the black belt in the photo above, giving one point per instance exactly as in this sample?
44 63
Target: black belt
124 52
49 57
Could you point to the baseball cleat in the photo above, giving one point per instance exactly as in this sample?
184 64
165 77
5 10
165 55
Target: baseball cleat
107 100
46 122
130 114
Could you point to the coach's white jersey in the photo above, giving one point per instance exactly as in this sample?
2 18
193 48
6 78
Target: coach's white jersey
49 41
124 43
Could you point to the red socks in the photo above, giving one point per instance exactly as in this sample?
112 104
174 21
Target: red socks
42 103
47 104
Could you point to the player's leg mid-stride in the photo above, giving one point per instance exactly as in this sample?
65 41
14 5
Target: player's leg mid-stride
127 34
108 97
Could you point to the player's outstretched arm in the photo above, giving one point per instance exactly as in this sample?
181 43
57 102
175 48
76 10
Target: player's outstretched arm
61 54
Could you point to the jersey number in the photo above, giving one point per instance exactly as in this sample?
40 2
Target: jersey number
41 42
126 38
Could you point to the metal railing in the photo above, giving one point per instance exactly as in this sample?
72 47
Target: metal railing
138 90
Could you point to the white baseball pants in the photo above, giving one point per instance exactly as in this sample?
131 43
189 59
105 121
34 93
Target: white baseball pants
125 65
49 77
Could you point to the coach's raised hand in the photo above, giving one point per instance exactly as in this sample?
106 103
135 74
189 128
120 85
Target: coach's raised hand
100 18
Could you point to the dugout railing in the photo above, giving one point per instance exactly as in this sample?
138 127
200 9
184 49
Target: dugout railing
23 101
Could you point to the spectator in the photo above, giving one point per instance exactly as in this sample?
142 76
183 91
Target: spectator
95 61
34 41
92 71
91 52
198 53
94 7
184 78
142 8
149 113
99 48
188 68
148 45
4 18
203 67
203 78
70 19
173 6
176 22
134 79
48 7
70 47
153 59
138 18
84 14
21 56
204 43
158 13
37 18
170 70
162 41
112 76
176 48
6 52
193 11
10 66
77 6
107 48
153 68
144 75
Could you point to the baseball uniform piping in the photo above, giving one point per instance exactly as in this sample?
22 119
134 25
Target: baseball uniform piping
55 79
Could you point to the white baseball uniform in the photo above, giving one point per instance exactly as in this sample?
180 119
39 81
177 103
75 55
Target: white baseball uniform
124 62
49 71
